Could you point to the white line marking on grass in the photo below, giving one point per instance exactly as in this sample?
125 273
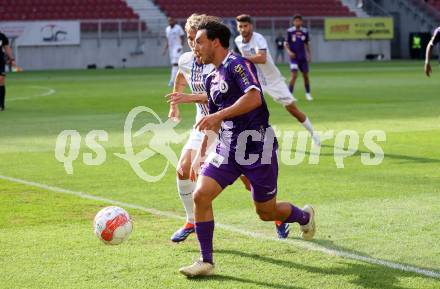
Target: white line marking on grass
298 243
48 91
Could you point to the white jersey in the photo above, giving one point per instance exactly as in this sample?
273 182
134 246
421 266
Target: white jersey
268 73
194 74
174 35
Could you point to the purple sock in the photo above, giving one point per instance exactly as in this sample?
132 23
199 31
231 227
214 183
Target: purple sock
307 86
291 88
205 234
297 216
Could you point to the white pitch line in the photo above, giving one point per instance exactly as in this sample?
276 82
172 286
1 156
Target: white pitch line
255 235
49 91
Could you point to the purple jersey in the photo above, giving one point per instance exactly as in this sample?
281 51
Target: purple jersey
436 36
297 39
225 85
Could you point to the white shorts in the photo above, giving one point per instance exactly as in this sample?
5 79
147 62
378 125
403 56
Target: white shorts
194 141
279 91
175 54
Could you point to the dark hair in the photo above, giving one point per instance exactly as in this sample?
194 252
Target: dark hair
297 16
215 29
244 18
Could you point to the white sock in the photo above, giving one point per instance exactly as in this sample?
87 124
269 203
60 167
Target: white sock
308 125
174 70
186 189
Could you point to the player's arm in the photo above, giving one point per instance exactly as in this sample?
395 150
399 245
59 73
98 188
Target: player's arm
165 48
259 58
10 55
435 39
308 51
179 86
248 102
208 140
289 51
180 97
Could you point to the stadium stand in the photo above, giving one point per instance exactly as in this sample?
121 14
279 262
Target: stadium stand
229 8
430 6
30 10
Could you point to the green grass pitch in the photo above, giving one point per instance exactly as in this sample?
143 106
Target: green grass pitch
388 212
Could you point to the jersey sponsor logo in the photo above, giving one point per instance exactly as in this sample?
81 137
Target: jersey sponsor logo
240 70
224 87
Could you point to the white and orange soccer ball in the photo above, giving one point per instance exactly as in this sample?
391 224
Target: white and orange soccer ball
112 225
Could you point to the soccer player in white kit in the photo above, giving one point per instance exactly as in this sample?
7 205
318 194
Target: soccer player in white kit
253 46
174 34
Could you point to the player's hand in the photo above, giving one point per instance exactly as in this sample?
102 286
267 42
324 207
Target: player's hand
178 97
428 69
292 55
174 113
309 58
194 171
210 122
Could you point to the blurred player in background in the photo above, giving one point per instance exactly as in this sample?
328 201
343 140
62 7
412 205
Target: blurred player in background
279 44
434 41
236 105
5 50
174 44
298 48
253 46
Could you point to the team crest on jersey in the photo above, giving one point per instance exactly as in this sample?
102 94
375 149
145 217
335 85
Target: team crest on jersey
224 87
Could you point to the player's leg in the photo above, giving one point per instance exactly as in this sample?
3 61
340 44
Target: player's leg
280 93
294 74
174 59
304 67
286 213
207 190
212 181
264 179
304 120
185 187
246 183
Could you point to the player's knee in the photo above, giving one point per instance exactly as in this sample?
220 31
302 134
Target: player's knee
183 170
266 216
2 80
201 198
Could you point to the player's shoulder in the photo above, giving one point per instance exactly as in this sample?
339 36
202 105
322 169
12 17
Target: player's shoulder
291 29
186 58
304 30
238 39
258 36
437 30
236 62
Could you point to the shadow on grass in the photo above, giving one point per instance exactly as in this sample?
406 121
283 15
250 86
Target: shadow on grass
365 275
386 155
226 278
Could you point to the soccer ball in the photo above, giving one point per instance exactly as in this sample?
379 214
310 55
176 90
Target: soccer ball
112 225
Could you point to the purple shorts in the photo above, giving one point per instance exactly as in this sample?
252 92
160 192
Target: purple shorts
301 64
263 177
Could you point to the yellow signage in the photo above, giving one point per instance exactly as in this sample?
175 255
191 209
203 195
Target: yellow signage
359 28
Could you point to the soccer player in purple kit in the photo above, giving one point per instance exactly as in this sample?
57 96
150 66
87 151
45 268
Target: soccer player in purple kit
434 40
298 48
237 108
